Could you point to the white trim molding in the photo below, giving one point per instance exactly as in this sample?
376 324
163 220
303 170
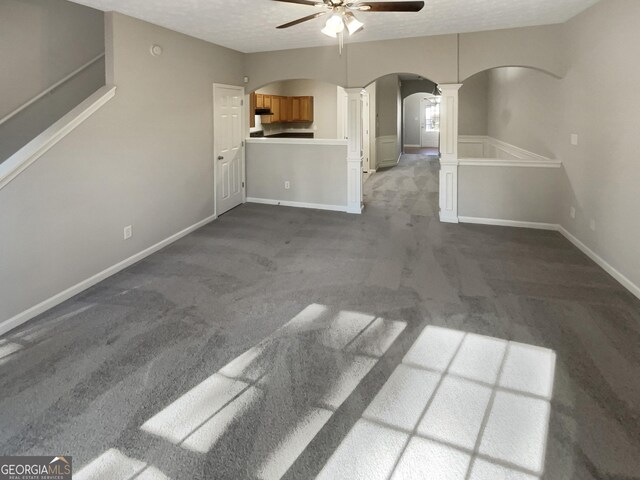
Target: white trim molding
449 152
288 203
606 266
355 154
51 88
27 155
296 141
508 223
485 151
57 299
601 262
387 151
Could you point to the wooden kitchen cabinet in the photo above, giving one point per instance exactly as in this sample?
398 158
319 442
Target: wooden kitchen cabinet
273 103
306 109
295 109
275 109
283 109
302 109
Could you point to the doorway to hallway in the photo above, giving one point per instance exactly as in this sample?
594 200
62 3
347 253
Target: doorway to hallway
421 123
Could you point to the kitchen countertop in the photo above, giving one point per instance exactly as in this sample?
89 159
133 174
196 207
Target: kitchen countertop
295 141
283 135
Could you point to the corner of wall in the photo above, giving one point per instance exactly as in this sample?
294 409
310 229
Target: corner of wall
109 64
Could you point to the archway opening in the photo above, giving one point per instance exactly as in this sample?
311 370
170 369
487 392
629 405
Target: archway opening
421 124
404 161
502 114
395 123
508 130
301 108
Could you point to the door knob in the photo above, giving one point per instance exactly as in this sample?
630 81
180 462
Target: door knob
220 157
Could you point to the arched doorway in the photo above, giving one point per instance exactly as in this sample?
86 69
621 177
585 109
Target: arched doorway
421 124
402 180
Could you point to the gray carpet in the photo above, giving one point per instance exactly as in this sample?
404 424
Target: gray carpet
266 344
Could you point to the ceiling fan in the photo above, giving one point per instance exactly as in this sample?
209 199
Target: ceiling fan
342 16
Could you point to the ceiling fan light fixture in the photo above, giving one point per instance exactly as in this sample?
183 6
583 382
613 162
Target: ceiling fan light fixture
352 23
329 33
335 24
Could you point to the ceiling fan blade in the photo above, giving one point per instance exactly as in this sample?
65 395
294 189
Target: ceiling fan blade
301 20
411 6
311 3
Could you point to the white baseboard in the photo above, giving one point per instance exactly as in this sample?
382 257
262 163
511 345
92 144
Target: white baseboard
57 299
606 266
356 210
628 284
412 146
287 203
508 223
449 219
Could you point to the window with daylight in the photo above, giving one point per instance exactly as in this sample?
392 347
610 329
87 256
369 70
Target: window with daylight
433 115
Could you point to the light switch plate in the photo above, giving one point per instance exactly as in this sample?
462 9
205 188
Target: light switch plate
574 139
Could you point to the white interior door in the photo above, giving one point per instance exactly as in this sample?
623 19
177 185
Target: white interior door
366 146
227 146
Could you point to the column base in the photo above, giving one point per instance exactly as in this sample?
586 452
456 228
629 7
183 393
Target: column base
449 219
355 210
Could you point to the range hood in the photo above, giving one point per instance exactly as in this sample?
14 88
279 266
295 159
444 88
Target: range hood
263 111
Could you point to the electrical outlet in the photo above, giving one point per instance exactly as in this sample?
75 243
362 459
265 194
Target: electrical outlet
128 232
287 185
572 212
592 225
574 139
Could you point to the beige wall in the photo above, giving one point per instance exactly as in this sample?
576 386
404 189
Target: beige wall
144 159
325 104
473 105
23 127
601 103
437 58
599 100
34 59
410 87
509 193
411 131
42 42
387 93
539 47
523 109
388 119
317 173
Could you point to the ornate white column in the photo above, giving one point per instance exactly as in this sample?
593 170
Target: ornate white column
354 150
449 152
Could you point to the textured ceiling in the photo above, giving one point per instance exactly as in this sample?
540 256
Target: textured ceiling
249 25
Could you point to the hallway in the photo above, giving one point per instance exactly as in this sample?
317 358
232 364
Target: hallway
280 342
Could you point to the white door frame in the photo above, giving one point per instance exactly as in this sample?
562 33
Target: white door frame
423 119
366 140
213 153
